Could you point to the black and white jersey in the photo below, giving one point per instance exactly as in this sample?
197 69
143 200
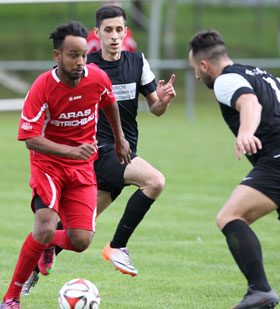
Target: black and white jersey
238 79
130 75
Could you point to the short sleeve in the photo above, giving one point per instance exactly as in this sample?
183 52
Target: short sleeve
229 87
147 75
34 111
107 96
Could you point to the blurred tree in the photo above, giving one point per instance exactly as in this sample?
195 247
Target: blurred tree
198 15
278 26
73 11
259 16
139 18
169 30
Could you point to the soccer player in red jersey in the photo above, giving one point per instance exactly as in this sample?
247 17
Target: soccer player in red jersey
58 124
131 75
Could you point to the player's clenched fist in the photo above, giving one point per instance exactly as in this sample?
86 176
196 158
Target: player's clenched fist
83 152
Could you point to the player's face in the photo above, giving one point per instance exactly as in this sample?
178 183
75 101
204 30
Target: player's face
72 57
111 33
201 72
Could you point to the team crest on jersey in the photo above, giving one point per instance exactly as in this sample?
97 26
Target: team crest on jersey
26 126
78 97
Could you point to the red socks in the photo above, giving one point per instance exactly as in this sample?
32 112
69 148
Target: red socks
29 256
62 240
30 253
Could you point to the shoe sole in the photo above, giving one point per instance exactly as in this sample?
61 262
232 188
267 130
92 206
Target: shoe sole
106 257
269 305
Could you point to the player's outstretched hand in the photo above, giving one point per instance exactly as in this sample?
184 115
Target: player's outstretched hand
123 151
247 144
166 92
83 152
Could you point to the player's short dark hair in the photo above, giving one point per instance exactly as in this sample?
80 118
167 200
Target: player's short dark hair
72 28
208 44
108 11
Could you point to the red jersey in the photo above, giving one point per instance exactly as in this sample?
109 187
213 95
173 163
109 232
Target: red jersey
128 43
63 114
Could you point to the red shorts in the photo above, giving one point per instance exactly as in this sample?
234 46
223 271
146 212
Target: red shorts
71 192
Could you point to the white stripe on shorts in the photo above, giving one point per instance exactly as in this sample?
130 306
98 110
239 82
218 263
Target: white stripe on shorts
53 191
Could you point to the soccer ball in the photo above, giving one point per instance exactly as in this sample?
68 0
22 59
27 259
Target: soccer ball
79 294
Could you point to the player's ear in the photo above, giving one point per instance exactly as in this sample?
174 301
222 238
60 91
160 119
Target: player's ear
56 55
96 32
204 66
125 31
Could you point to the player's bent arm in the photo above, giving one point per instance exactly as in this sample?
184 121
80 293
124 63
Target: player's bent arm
250 111
46 146
155 105
160 99
122 147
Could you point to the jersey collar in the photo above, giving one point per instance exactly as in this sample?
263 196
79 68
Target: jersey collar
56 78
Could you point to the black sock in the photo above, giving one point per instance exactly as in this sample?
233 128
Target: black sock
246 250
57 248
136 209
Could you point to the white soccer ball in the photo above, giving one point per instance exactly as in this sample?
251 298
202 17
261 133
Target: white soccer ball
79 294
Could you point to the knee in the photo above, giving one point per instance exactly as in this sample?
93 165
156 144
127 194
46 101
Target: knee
156 183
81 241
223 218
44 233
220 221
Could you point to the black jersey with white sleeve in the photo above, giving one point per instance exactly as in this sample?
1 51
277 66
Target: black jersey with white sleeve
238 79
130 75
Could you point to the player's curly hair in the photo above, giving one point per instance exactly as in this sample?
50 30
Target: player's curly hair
72 28
108 11
208 44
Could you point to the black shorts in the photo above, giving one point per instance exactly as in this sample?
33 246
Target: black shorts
265 177
109 172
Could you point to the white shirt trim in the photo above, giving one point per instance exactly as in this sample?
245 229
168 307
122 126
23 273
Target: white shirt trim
55 76
42 109
227 84
147 75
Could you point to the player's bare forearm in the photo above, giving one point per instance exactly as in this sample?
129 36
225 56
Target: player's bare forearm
160 99
46 146
159 108
250 116
122 147
112 114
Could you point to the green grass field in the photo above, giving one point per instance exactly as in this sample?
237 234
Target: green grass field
182 258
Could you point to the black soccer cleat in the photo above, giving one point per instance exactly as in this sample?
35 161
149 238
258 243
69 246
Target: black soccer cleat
258 300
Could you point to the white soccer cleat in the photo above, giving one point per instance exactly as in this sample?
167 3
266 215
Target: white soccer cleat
120 259
31 281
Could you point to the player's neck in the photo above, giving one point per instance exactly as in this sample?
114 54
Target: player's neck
110 56
217 70
66 80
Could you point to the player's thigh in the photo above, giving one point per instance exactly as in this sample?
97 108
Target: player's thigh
141 173
104 199
245 203
45 225
78 203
